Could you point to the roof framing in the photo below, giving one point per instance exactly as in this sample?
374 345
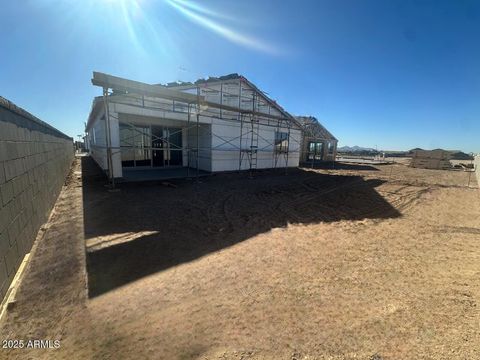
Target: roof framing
130 86
240 78
118 83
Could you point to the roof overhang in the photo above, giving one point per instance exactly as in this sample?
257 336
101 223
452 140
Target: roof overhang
130 86
137 87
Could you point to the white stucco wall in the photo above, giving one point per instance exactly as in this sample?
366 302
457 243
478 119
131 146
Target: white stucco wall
226 145
98 142
204 147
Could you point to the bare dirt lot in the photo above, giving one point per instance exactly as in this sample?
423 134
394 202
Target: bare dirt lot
356 262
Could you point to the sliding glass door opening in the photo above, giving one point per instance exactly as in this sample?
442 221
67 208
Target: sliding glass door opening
150 146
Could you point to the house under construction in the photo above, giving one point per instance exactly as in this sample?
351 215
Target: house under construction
219 124
318 144
185 129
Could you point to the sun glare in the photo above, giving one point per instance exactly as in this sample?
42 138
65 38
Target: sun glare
197 13
154 27
203 16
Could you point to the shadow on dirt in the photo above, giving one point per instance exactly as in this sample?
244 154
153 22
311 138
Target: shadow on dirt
145 228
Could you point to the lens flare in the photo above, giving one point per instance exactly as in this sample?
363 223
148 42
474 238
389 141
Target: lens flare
202 9
144 24
197 14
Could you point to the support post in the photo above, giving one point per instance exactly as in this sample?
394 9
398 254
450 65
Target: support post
108 138
198 128
240 114
188 141
221 100
240 153
314 153
288 149
253 133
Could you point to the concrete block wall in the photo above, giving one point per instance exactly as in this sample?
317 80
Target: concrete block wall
34 161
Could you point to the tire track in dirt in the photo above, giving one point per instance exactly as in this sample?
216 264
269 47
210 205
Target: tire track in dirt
403 200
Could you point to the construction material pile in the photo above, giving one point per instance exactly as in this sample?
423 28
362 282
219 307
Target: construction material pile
431 159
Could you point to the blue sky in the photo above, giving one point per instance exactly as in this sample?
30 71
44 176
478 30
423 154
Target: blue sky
391 74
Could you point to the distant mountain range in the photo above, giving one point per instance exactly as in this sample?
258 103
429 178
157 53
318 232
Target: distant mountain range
352 149
359 150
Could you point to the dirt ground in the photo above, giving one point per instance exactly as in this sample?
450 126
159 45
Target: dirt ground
355 262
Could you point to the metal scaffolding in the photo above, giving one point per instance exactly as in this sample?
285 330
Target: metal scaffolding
249 118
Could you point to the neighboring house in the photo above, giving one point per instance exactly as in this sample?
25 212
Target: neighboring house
318 144
218 124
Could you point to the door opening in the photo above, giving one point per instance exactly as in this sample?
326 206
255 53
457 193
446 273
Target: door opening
167 146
